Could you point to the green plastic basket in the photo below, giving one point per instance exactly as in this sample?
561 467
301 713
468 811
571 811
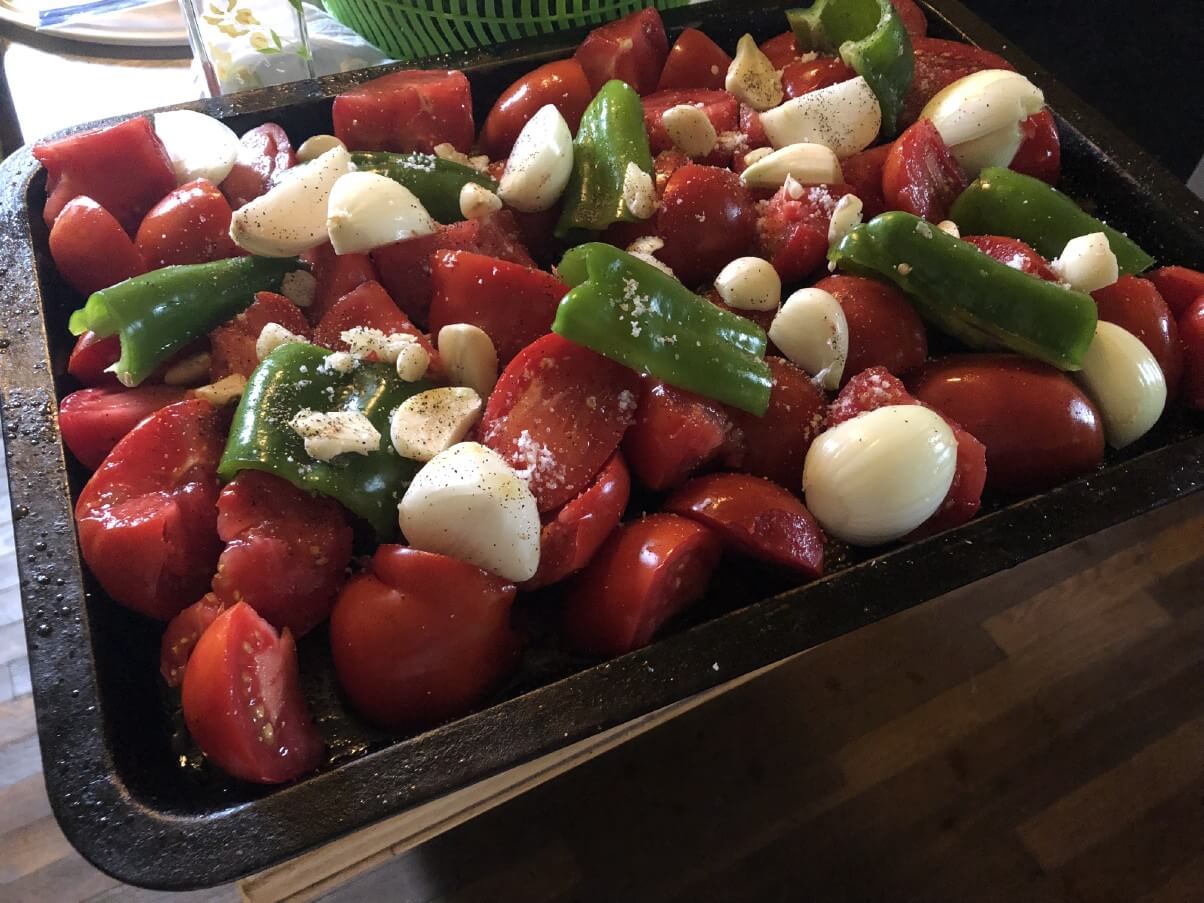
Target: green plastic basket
415 29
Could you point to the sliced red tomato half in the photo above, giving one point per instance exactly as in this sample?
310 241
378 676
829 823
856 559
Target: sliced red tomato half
721 108
147 519
695 61
1014 253
792 232
675 434
1040 151
781 50
419 638
335 275
706 220
411 110
755 517
190 225
243 704
1136 305
863 172
648 571
557 414
91 358
884 329
368 305
633 50
90 249
264 153
1179 287
803 77
938 64
181 635
561 83
233 343
921 175
92 421
912 17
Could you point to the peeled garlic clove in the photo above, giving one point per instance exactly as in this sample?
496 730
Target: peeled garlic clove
316 146
468 357
467 502
979 116
477 201
750 283
330 434
1087 263
291 217
433 421
1125 382
811 330
639 193
271 337
846 216
877 477
690 130
845 117
808 164
199 146
367 211
752 78
540 163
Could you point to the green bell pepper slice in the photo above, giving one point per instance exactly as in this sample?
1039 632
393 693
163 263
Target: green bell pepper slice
158 313
611 135
870 38
292 379
434 181
1003 202
633 313
969 294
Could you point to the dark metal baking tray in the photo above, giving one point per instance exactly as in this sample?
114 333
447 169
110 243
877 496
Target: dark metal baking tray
135 798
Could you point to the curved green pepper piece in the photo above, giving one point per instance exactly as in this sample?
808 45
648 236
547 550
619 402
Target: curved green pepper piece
610 136
1003 202
293 378
162 311
870 37
434 181
969 294
633 313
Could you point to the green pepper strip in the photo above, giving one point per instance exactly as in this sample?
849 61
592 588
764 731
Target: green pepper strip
292 379
159 313
434 181
611 135
969 294
870 37
631 312
1002 202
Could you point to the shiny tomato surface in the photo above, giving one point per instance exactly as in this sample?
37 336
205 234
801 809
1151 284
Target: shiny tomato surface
264 153
561 83
695 61
884 329
90 248
633 49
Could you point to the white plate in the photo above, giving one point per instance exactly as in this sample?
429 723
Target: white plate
158 24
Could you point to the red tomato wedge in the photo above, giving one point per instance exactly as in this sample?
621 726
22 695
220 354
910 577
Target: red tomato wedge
190 225
884 329
573 536
863 172
411 110
912 17
921 175
675 434
755 517
405 267
122 167
721 108
1191 329
1179 287
147 519
1014 253
801 77
92 421
695 61
264 153
1136 305
233 343
91 358
90 249
781 50
792 232
561 83
558 413
368 305
419 638
706 220
243 703
648 571
286 552
335 275
633 49
181 635
514 304
867 391
938 64
1040 151
763 318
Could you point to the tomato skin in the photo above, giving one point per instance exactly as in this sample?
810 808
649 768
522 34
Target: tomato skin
648 571
514 304
781 50
752 128
92 421
1040 151
232 345
559 411
570 540
921 175
147 519
1014 253
695 61
181 635
938 64
405 267
368 305
561 83
91 357
633 50
1179 287
1134 304
721 108
335 275
775 446
90 249
706 220
863 172
792 233
912 17
884 329
763 318
419 638
264 153
1191 330
123 167
190 225
260 729
411 110
1038 427
755 517
801 78
286 551
675 433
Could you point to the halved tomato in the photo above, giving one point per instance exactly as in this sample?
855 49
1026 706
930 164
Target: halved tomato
232 345
1134 304
921 175
90 249
561 83
410 110
1179 287
181 635
675 433
1040 151
1191 328
633 50
264 153
1014 253
335 275
805 76
706 220
792 232
721 108
863 172
91 358
938 64
368 305
190 225
695 61
92 421
884 329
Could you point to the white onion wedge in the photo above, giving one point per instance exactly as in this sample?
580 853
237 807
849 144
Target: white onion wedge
540 163
845 117
807 164
367 211
1125 382
811 330
979 116
200 147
